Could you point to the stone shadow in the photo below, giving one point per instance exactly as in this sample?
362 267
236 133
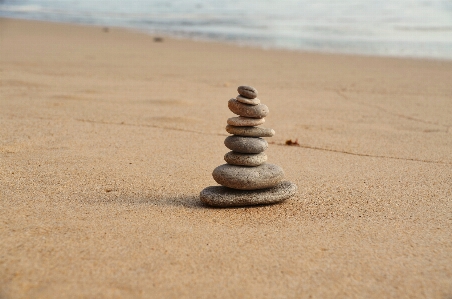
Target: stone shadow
181 201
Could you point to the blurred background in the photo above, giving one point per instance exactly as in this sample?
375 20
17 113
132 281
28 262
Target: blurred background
405 28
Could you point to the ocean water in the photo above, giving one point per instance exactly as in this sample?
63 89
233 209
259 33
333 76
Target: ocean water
406 28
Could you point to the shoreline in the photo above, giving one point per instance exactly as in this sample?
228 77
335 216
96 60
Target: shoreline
109 137
240 44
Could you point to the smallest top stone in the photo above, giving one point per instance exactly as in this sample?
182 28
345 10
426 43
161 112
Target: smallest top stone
247 92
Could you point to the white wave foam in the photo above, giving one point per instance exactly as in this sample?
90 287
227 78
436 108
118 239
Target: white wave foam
21 8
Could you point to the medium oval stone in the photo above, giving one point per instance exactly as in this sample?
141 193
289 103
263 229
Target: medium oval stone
247 91
235 158
255 111
246 145
248 178
248 101
219 196
250 131
245 121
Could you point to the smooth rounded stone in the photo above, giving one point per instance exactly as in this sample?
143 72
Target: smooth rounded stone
250 131
246 145
255 111
248 178
219 196
244 100
245 121
235 158
247 91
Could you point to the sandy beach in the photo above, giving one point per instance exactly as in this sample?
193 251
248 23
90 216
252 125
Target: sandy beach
107 138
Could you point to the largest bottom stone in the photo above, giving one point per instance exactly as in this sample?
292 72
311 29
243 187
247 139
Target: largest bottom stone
220 196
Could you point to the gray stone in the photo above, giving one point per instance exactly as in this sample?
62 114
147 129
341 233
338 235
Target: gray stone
250 131
247 91
248 178
245 121
235 158
255 111
248 101
246 145
219 196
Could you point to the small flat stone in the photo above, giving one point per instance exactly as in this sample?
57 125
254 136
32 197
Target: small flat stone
235 158
250 131
245 121
247 91
246 145
248 178
244 100
255 111
219 196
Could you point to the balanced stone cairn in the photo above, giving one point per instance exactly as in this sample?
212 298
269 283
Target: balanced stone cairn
246 179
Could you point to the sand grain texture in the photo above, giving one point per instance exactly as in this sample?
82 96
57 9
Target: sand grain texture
108 138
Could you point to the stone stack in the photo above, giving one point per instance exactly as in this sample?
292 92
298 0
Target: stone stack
247 179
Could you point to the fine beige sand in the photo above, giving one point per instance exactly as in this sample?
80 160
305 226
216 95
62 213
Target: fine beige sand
107 138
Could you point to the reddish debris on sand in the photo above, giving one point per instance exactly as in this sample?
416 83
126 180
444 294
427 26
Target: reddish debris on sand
290 142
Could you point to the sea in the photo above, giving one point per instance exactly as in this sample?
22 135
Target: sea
401 28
